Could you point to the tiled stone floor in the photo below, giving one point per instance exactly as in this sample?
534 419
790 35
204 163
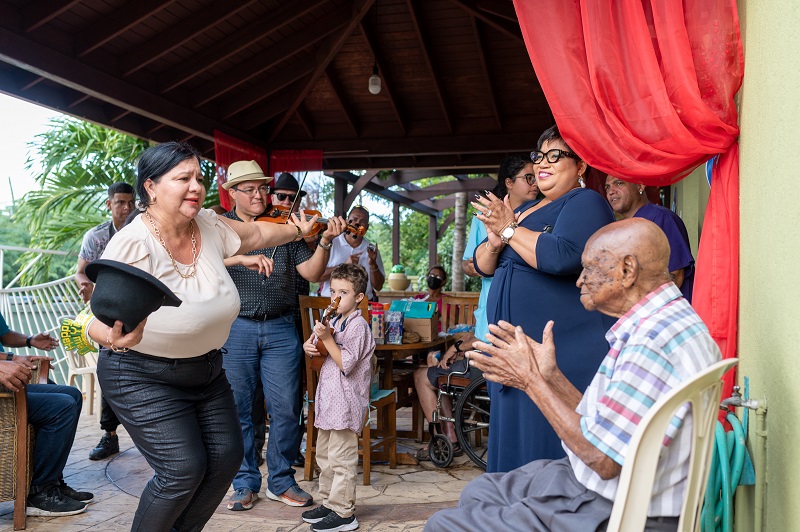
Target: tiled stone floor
398 500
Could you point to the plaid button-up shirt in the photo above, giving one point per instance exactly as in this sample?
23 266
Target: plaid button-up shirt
657 344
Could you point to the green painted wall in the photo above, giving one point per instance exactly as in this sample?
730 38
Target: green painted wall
769 330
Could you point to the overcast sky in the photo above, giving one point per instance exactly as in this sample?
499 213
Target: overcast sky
21 121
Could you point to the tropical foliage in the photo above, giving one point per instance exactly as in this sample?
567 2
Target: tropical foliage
79 161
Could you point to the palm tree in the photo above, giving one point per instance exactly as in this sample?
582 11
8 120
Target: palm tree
79 161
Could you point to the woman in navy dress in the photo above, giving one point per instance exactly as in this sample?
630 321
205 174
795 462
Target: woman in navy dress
534 253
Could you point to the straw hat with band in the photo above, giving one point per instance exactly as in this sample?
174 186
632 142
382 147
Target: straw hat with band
242 171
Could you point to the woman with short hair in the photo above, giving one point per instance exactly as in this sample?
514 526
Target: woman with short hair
534 254
165 379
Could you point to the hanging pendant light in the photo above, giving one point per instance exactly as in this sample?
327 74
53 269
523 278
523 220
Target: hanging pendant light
375 80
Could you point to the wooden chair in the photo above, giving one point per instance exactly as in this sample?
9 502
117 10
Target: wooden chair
16 446
385 448
458 309
629 512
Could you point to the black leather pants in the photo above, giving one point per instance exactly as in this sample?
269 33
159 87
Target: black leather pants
182 418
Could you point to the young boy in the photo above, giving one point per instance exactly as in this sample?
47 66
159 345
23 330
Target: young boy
342 400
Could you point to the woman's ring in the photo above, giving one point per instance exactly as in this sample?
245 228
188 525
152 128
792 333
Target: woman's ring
488 213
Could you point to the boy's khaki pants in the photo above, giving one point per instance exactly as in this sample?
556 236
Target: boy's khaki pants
337 456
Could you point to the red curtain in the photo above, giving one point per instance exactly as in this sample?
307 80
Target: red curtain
227 150
643 89
295 161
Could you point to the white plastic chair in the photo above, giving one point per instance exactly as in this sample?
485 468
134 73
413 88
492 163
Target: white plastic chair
638 474
85 367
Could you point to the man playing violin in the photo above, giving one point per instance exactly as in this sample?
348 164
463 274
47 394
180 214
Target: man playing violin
353 247
263 343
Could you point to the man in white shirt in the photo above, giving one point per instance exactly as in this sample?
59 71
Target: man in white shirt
350 247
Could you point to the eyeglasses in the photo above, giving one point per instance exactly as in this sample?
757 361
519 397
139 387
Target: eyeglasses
283 197
529 178
552 156
263 189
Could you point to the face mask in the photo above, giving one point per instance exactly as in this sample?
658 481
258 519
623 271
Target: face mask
434 282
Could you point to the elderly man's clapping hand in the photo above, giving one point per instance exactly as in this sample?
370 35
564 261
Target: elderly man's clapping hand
513 358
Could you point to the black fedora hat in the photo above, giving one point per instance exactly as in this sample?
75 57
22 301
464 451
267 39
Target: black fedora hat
126 293
287 181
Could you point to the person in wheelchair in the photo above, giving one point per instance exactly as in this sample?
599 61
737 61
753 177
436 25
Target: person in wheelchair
426 382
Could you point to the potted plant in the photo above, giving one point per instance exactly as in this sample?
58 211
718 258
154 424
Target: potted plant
397 278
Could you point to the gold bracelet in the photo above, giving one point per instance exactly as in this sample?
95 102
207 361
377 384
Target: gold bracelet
111 345
490 249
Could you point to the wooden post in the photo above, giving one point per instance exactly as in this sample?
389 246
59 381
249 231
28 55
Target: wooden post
395 233
339 194
432 227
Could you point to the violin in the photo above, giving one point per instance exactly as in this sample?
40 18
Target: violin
278 214
330 312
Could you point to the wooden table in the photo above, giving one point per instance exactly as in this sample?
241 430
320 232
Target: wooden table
387 354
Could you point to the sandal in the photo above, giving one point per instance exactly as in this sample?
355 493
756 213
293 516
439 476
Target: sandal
422 454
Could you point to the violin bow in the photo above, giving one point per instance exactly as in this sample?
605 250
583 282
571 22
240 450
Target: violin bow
291 209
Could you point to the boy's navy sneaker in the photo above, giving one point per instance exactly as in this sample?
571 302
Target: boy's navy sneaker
50 502
333 523
317 514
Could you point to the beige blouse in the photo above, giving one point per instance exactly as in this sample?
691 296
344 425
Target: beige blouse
210 299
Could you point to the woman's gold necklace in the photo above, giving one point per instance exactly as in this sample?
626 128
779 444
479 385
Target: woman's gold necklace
193 267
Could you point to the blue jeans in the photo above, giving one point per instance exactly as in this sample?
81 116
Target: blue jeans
53 411
182 418
269 350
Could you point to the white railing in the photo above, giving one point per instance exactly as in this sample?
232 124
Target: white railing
39 308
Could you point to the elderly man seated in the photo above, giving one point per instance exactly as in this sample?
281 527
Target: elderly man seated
657 342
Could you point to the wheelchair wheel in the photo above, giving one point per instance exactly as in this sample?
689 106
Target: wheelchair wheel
472 421
440 450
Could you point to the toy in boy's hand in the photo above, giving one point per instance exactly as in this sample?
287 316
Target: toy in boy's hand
327 315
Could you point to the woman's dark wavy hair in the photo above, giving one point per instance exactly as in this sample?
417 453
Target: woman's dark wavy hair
157 161
509 167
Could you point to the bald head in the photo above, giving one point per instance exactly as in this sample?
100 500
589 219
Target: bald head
623 262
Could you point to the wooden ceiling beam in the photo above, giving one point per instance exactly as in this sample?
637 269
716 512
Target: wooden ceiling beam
41 12
490 92
34 57
351 179
257 93
107 27
471 7
261 114
445 224
403 177
500 8
305 121
485 162
387 85
434 145
180 33
326 54
424 47
358 186
256 66
341 97
234 44
451 187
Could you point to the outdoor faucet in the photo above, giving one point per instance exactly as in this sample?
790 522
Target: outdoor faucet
736 400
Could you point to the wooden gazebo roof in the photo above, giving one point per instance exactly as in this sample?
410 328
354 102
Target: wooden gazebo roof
458 88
